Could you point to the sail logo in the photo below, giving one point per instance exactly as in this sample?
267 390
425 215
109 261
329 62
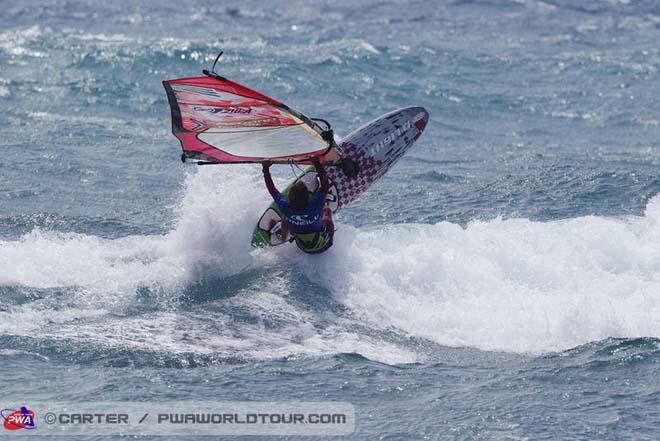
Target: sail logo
242 110
18 419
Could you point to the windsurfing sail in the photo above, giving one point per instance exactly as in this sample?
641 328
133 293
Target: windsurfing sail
220 121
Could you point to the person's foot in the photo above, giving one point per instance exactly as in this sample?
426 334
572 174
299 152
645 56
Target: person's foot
332 156
349 167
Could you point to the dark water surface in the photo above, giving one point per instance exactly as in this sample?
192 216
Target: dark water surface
501 282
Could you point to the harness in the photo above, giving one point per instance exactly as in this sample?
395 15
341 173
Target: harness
314 242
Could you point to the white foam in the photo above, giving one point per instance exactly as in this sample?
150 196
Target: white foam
276 329
510 285
216 218
213 233
14 42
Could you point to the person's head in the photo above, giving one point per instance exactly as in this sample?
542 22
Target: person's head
298 196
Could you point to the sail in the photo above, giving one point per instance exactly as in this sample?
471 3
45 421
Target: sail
218 120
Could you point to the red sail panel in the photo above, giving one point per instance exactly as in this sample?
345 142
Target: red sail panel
218 120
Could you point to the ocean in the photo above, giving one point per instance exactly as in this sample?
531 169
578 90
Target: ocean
501 282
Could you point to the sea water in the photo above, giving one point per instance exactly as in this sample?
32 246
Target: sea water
502 281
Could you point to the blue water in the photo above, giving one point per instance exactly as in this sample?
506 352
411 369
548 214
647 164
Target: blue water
501 282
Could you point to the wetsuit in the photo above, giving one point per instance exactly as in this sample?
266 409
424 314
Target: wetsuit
312 226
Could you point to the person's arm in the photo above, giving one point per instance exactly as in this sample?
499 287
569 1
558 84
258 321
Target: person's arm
269 180
323 177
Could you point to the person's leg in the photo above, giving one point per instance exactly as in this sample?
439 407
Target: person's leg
329 225
326 217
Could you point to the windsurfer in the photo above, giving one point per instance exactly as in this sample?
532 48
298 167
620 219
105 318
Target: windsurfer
307 214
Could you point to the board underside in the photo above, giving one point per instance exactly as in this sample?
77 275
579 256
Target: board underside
375 147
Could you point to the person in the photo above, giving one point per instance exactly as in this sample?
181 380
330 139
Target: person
308 217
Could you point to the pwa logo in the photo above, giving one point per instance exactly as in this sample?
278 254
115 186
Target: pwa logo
18 419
